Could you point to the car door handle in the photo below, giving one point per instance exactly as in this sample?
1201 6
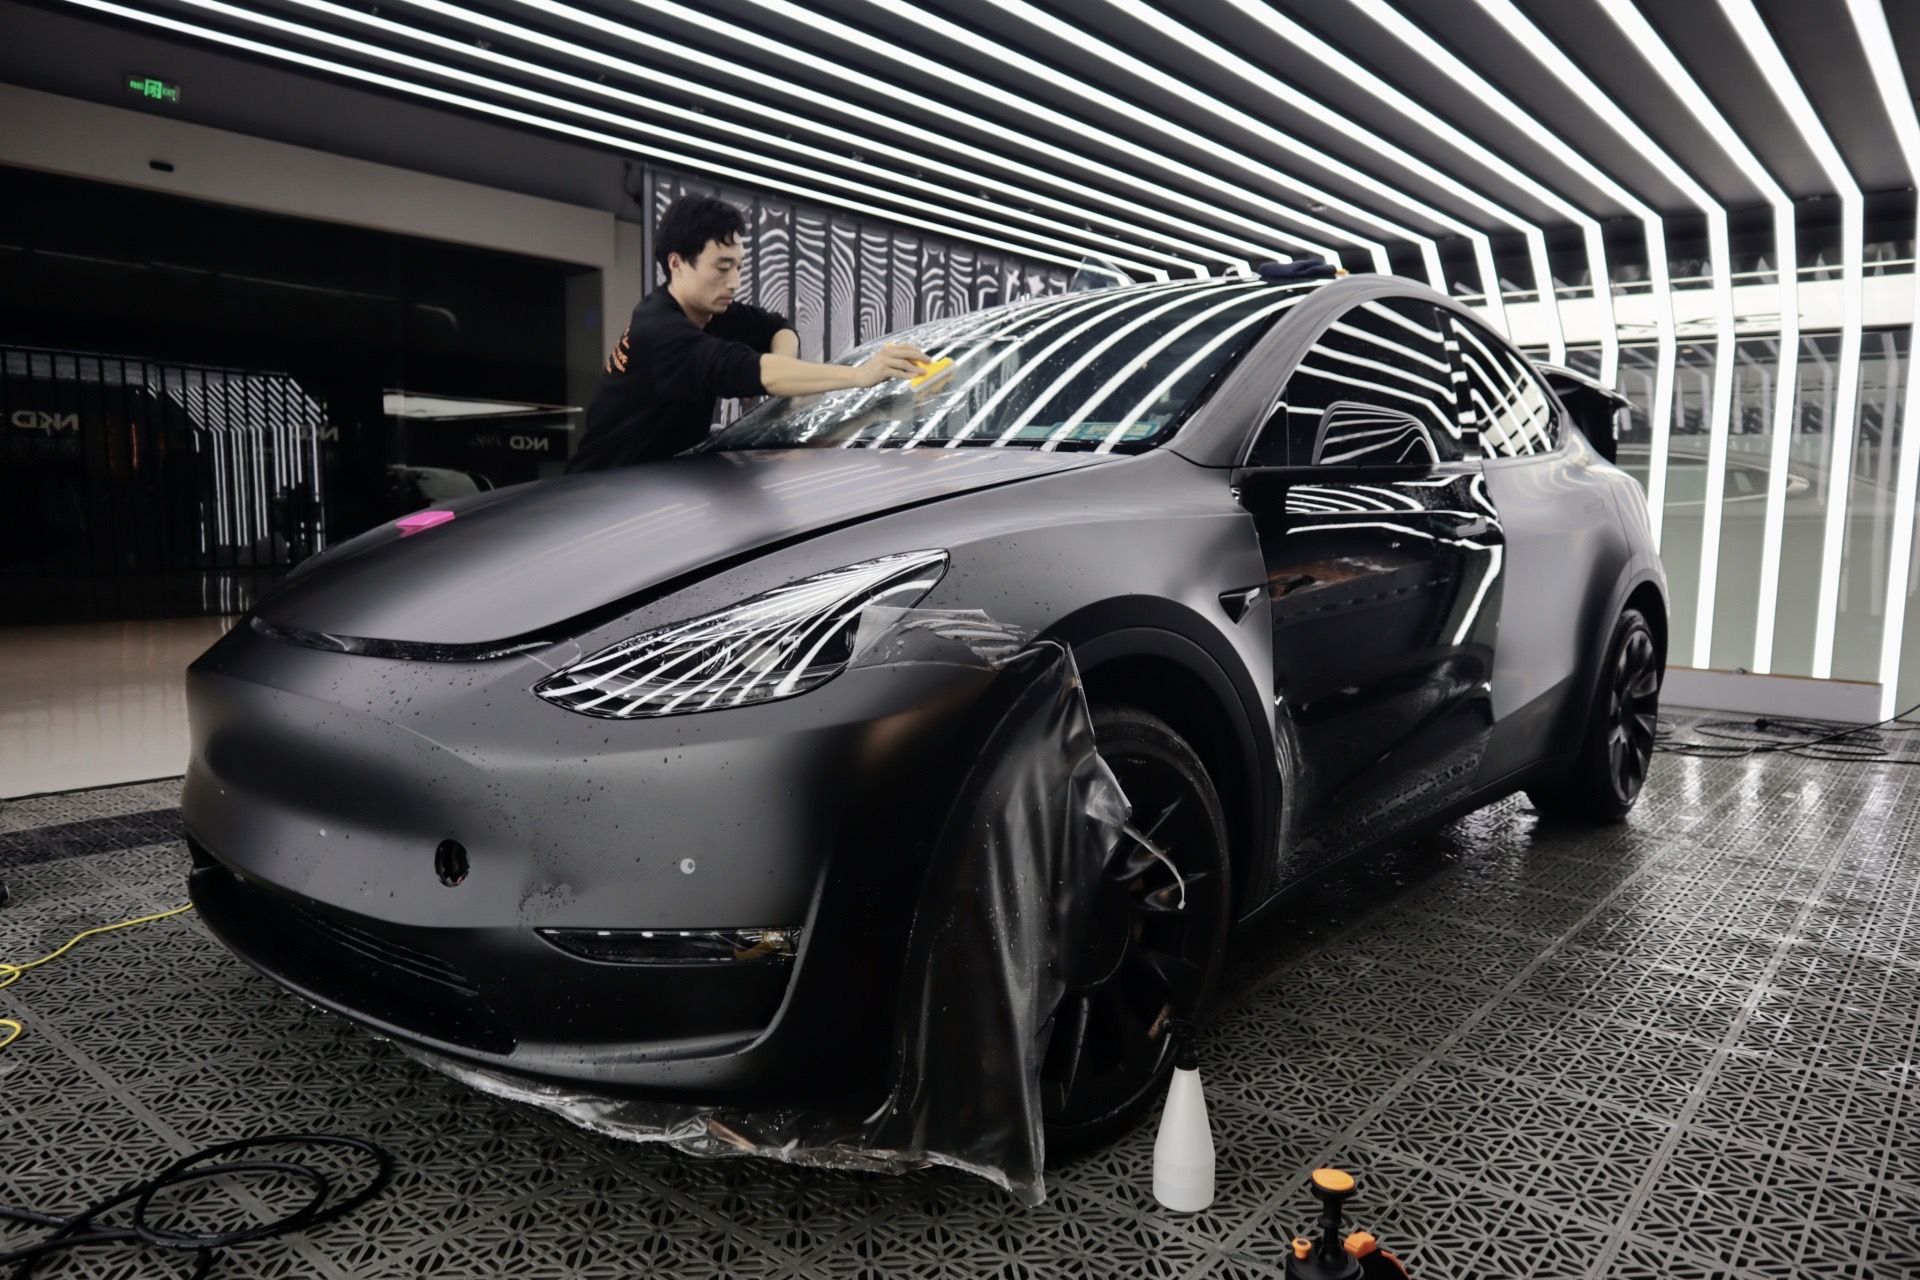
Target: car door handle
1474 529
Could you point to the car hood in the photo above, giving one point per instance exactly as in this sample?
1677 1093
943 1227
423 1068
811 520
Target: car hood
519 561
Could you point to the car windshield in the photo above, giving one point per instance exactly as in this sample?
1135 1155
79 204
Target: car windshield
1117 370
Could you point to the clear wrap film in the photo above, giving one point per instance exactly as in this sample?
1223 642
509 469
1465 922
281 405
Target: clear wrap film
1031 827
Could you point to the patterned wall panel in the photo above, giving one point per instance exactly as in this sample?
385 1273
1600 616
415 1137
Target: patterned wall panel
843 283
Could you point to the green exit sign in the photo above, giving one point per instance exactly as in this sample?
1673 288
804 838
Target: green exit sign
158 90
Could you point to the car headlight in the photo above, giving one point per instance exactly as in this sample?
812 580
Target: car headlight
776 645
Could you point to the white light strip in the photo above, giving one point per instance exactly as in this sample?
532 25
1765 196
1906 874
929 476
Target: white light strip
760 44
1058 77
1596 99
701 164
1264 247
1870 20
1326 54
1143 239
1806 121
1482 90
507 89
1644 39
1219 58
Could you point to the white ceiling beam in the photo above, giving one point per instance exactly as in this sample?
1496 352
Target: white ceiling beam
777 120
655 133
766 181
1251 239
1284 217
943 199
1482 91
1222 59
1374 141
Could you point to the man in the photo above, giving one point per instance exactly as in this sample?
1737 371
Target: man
689 343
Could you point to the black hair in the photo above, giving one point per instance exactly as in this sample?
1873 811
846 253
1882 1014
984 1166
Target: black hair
689 223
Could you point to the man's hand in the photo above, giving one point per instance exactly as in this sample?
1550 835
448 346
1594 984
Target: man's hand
895 360
782 375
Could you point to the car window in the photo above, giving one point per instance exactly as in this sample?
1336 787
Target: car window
1116 370
1373 390
1501 397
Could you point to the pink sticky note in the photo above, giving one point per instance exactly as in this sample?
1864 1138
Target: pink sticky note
421 520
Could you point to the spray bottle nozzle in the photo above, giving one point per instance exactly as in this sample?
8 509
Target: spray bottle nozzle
1185 1038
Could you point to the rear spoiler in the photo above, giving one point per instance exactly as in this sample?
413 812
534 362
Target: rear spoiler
1597 409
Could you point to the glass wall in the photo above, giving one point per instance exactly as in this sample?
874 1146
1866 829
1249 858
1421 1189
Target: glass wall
1807 496
1884 369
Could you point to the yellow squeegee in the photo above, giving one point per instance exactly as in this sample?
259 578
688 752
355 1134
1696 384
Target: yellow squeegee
933 369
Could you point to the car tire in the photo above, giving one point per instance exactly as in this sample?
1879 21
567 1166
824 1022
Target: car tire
1156 943
1617 748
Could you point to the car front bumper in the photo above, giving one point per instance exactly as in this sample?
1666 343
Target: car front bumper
321 785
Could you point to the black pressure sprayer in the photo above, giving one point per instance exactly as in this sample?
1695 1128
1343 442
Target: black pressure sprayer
1333 1257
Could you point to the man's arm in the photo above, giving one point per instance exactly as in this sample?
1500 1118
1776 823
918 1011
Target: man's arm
783 375
786 343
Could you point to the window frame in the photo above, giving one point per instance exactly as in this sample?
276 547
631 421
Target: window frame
1557 413
1278 405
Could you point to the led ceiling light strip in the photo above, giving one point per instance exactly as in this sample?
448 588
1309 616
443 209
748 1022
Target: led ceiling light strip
1870 21
762 44
1264 247
1766 54
765 181
877 173
1142 239
1443 59
506 89
1637 29
1295 34
1040 73
1222 59
1596 99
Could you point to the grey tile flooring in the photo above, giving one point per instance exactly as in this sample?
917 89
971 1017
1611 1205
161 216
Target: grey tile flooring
1688 1046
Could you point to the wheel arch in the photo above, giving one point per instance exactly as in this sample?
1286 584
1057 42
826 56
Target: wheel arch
1161 658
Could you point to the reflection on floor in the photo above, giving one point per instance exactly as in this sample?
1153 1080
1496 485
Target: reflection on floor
1682 1047
98 703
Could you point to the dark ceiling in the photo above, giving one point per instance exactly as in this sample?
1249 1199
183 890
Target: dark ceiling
1211 132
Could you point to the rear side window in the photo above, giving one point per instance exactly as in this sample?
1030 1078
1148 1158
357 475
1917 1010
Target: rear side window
1500 396
1373 390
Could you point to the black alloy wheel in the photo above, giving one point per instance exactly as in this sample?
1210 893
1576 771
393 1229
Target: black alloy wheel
1632 713
1155 941
1617 751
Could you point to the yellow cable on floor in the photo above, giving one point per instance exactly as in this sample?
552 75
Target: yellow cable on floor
10 973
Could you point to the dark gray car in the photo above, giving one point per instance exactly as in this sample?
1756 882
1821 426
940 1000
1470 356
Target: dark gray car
578 778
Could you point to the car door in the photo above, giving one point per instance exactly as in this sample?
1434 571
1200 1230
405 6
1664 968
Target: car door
1555 517
1383 558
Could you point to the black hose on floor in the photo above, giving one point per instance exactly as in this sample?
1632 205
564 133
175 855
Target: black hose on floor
1776 735
84 1228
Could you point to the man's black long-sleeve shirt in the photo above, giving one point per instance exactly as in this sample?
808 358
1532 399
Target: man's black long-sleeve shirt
663 377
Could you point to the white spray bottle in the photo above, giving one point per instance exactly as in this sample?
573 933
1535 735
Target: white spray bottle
1183 1152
